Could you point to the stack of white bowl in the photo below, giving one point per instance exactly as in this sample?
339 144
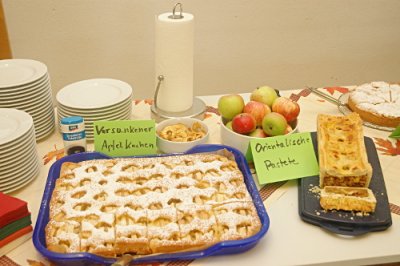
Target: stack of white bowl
25 85
19 161
95 100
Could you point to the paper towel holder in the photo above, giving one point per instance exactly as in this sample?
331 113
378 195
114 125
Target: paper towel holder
197 110
180 16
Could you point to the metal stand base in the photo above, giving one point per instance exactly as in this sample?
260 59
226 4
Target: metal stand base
197 110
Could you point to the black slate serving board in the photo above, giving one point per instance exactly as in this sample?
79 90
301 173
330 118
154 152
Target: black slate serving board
345 222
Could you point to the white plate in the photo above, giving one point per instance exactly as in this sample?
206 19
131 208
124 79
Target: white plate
16 162
96 110
24 94
89 121
10 145
24 91
25 87
94 93
17 147
42 135
20 165
44 131
11 155
38 109
116 114
44 110
28 177
23 184
117 108
16 72
19 174
16 150
45 121
28 88
29 102
45 125
13 124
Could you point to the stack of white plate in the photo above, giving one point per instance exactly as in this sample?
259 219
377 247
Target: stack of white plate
25 85
19 161
95 100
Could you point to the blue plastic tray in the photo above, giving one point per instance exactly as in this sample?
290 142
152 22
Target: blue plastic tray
222 248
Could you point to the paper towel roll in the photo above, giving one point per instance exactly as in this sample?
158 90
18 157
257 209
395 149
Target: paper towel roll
174 40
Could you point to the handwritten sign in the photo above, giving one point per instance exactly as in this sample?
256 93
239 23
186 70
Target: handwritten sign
284 157
125 137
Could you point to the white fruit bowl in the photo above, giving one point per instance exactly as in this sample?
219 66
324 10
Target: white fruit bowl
168 146
241 142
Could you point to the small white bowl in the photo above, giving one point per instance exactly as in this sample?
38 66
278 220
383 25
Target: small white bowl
241 142
167 146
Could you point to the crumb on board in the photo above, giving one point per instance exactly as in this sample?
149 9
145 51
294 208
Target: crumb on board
362 214
315 189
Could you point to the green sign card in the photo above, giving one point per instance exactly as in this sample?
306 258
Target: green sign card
284 157
125 137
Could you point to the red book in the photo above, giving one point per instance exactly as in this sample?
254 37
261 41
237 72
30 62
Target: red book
11 209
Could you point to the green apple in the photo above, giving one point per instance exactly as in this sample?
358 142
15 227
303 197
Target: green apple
229 125
264 94
230 105
274 124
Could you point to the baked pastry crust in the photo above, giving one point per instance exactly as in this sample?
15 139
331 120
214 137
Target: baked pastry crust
347 199
342 156
149 205
377 103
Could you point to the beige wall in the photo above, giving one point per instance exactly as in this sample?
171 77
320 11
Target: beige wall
239 45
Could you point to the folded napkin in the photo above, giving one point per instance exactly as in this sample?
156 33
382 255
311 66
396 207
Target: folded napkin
16 235
11 209
15 226
15 240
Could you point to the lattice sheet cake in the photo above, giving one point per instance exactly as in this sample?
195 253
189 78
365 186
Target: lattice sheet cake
149 205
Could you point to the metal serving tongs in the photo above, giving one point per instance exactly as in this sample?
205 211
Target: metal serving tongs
324 96
124 260
127 259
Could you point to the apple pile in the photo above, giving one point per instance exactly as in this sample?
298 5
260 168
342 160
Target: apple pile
267 114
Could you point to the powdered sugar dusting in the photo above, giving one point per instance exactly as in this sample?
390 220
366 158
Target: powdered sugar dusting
378 97
143 205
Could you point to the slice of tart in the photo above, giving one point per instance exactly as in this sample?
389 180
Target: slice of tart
342 156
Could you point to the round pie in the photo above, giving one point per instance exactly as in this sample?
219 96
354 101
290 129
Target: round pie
377 103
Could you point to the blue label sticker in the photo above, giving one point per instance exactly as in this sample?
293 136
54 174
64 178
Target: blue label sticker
74 136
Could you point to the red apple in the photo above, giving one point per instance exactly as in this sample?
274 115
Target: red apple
286 107
274 124
288 129
258 133
230 105
243 123
258 110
